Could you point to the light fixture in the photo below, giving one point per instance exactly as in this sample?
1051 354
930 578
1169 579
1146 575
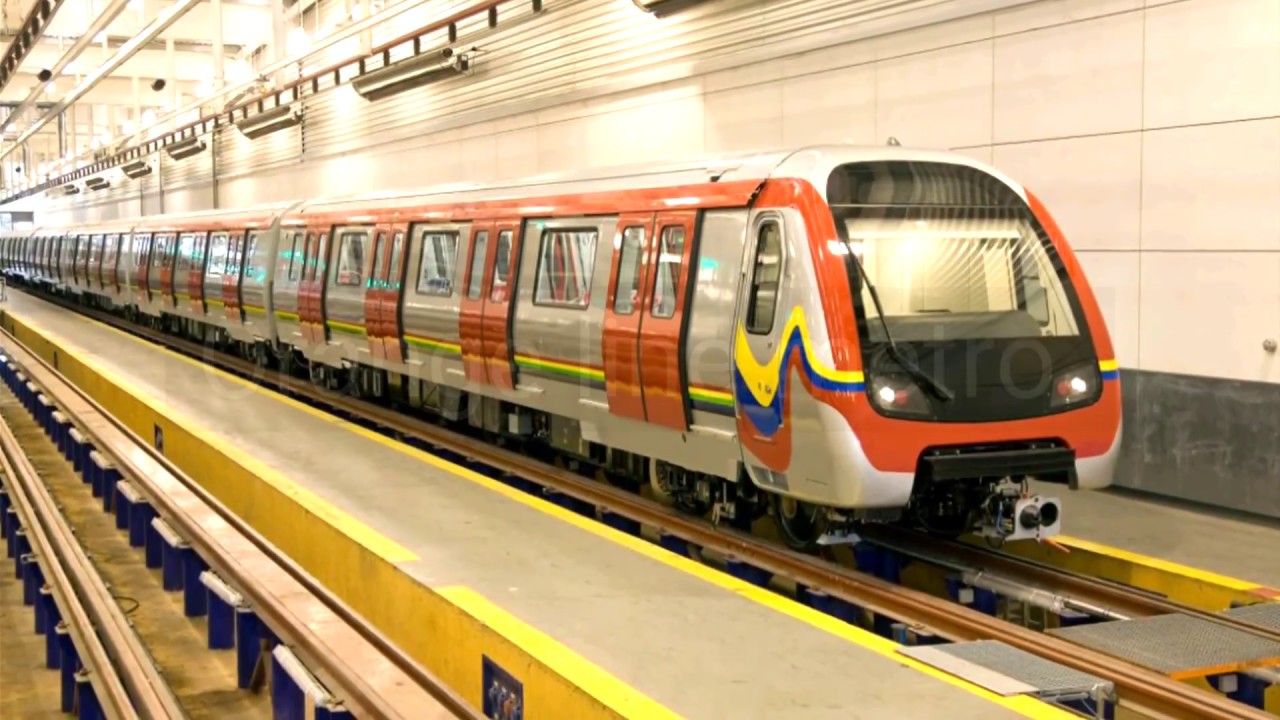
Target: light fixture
185 148
97 183
663 8
410 73
137 169
70 189
269 121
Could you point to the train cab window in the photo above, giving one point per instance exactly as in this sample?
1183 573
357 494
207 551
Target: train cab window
501 268
437 263
627 286
475 278
351 256
766 276
217 255
670 258
566 263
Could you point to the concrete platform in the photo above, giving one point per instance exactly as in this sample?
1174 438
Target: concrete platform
460 569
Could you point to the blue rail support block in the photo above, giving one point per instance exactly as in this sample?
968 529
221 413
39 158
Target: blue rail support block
1242 688
287 699
332 712
70 664
126 496
76 444
223 604
87 699
21 548
52 620
97 472
140 515
674 543
170 547
748 572
11 525
61 426
44 411
195 599
41 614
249 646
621 523
833 606
32 578
153 546
5 504
110 476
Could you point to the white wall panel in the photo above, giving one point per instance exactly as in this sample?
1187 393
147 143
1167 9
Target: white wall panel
1215 310
1212 60
936 99
1050 13
1212 187
745 117
1114 277
837 107
1091 185
1082 78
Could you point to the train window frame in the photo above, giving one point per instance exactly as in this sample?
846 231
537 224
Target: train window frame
676 276
475 275
750 317
497 293
212 258
634 280
583 302
345 236
449 268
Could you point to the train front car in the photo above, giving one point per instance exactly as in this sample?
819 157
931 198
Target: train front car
967 356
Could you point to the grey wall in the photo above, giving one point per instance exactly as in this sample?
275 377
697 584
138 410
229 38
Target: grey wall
1204 440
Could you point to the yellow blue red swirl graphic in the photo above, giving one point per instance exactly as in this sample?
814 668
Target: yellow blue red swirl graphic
760 388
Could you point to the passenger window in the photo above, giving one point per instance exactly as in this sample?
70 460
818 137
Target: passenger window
436 264
501 268
627 285
217 255
320 263
667 283
247 258
350 269
566 263
397 244
379 262
186 252
765 278
476 276
160 251
295 258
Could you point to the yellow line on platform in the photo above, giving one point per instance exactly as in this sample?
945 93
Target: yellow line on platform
591 681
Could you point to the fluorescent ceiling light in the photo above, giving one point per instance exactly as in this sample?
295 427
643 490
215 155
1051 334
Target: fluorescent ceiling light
663 8
185 148
410 73
269 121
70 189
97 183
137 169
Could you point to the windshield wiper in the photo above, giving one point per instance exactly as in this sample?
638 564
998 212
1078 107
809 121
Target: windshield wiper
940 391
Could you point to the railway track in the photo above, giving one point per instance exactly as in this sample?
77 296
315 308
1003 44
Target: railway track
1139 689
372 677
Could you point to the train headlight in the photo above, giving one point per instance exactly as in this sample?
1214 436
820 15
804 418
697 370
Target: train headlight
1074 386
898 395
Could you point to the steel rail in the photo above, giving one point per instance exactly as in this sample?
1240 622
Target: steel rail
127 682
372 676
1143 690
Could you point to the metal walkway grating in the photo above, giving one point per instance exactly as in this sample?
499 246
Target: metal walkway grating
1006 670
1179 646
1266 615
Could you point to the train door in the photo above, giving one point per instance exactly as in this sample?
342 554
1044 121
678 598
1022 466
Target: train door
233 270
107 273
215 269
762 280
162 251
93 269
141 270
373 291
471 310
645 322
497 315
311 292
621 335
393 298
81 263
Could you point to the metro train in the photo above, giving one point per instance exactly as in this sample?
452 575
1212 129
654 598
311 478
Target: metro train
832 335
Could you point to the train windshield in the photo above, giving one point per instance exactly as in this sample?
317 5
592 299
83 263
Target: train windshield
957 286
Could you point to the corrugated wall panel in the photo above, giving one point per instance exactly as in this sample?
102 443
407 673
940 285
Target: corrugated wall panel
574 51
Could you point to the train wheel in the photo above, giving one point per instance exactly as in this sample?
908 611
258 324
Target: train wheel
799 523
